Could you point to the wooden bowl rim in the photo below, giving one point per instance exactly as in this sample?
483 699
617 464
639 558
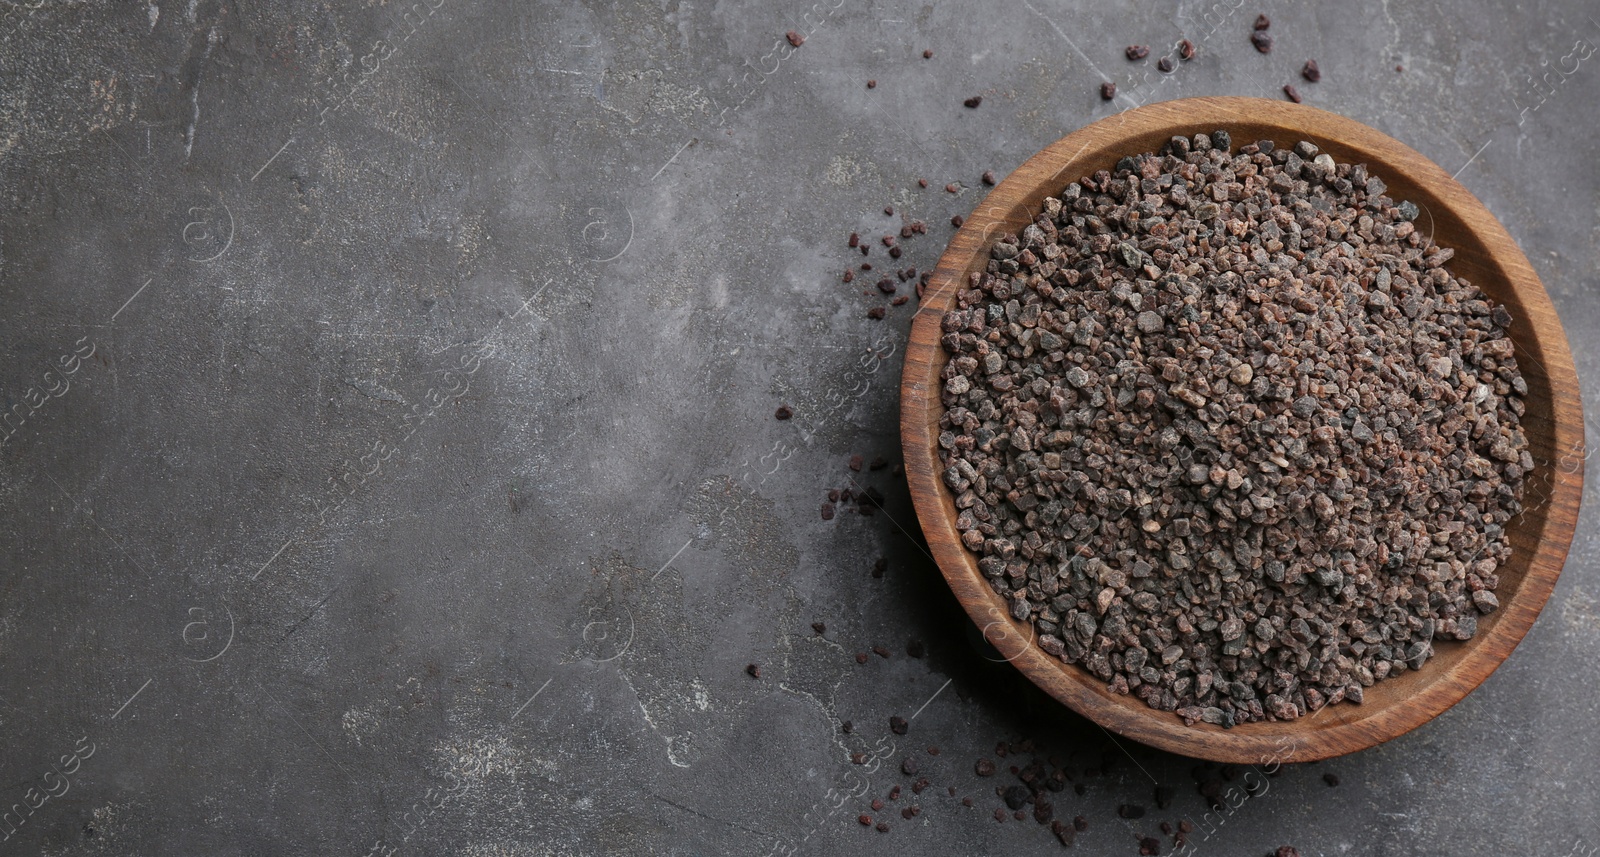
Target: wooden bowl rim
1329 732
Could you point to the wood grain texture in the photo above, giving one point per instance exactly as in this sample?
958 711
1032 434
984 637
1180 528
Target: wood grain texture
1485 255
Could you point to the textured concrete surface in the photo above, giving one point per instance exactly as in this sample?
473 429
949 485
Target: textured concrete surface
392 465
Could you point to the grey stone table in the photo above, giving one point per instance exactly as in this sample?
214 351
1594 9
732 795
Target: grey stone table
391 462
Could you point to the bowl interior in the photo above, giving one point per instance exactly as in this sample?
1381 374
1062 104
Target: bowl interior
1485 255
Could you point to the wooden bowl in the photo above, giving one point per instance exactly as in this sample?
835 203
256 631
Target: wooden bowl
1485 255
